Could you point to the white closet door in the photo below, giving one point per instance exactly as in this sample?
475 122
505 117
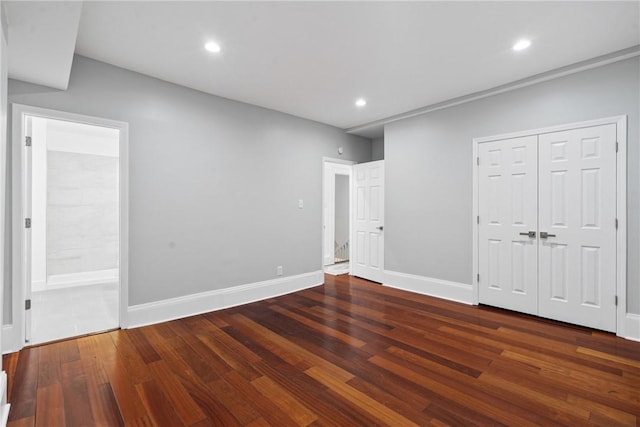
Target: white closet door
508 212
367 260
577 275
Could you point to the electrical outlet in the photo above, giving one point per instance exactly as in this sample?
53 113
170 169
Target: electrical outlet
279 270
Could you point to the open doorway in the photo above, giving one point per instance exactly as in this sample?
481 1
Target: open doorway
72 206
336 216
74 229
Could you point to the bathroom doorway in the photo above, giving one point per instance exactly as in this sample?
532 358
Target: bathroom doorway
72 240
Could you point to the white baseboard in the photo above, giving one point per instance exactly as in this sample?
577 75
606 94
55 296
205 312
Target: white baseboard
454 291
190 305
632 327
81 279
11 340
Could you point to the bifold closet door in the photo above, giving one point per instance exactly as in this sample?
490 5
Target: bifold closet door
577 210
508 194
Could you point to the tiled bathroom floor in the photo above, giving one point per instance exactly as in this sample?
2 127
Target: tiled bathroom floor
68 312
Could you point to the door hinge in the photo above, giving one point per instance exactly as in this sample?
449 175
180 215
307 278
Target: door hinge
28 141
27 223
478 219
27 304
616 300
478 276
616 223
478 161
616 146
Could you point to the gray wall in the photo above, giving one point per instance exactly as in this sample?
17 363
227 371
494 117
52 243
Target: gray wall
377 149
82 212
214 183
428 229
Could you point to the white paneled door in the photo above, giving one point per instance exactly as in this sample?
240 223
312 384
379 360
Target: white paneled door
577 175
508 210
367 259
547 225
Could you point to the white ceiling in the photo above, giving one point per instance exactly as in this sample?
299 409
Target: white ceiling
42 38
313 59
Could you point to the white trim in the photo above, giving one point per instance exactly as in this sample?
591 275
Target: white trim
11 341
328 195
453 291
474 219
4 161
621 197
621 215
190 305
326 159
15 335
4 406
589 64
632 327
557 128
38 285
84 278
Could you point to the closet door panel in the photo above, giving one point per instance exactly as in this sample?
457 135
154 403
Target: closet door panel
508 211
577 211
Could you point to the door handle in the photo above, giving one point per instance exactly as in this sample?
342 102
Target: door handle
529 233
380 228
544 235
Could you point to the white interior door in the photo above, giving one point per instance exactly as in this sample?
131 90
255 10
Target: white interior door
508 224
367 257
578 212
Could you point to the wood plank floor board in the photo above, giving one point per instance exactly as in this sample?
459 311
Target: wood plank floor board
461 382
127 399
25 390
206 397
347 353
48 366
235 403
104 406
231 359
172 387
159 408
51 412
509 343
132 359
312 393
75 393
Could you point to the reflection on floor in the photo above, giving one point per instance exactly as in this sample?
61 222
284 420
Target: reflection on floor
68 312
337 269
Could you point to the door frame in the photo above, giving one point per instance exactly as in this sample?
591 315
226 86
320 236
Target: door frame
328 196
621 205
14 334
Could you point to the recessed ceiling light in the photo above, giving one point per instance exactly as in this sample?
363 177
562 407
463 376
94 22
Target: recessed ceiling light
521 44
213 47
361 102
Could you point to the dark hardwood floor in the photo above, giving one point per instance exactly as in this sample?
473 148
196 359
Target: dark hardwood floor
346 353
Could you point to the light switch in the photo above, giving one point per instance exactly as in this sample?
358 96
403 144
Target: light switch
300 203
